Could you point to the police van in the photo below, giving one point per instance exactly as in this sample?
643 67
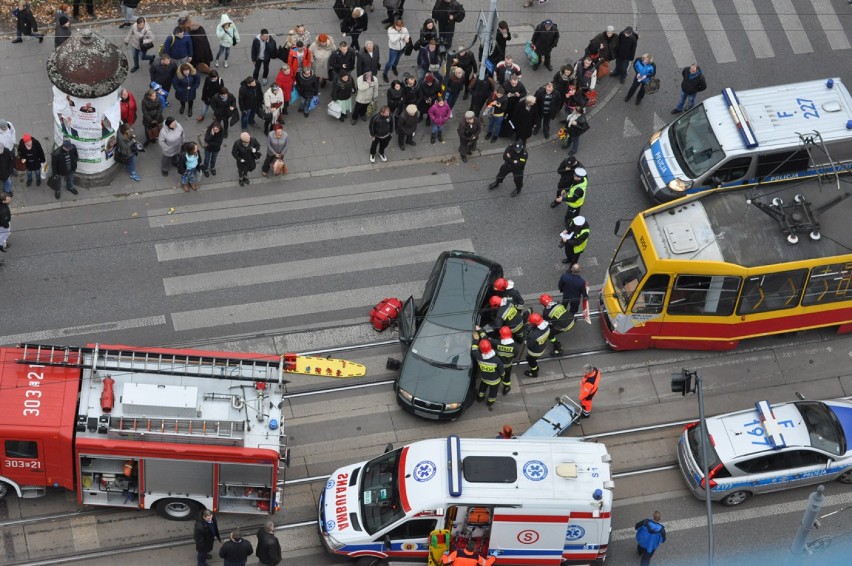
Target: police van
524 501
742 138
768 448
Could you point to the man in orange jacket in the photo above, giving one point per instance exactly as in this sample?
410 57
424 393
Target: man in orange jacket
588 388
468 557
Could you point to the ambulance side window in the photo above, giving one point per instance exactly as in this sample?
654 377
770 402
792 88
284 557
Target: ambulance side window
415 528
21 449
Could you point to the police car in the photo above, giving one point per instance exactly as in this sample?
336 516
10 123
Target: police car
769 448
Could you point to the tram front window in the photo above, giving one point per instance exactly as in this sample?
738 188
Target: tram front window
694 144
627 270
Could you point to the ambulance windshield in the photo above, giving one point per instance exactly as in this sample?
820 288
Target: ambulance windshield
379 497
694 144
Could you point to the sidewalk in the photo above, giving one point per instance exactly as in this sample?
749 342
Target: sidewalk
319 145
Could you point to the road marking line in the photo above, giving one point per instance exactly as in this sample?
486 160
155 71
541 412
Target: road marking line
308 233
754 29
299 200
316 267
830 24
295 306
792 26
42 335
715 31
675 34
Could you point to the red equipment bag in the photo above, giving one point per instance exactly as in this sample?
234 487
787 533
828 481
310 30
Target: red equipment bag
384 313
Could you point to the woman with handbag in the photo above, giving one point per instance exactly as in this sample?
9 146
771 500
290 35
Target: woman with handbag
228 36
273 102
152 116
645 70
308 86
31 154
429 61
341 93
211 140
126 150
141 39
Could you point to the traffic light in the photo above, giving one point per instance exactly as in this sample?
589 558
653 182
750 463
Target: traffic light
682 382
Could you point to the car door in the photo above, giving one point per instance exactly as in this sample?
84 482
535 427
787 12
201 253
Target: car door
811 467
408 542
771 472
408 322
23 461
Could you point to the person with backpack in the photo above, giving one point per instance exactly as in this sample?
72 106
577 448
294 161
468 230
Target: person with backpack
178 46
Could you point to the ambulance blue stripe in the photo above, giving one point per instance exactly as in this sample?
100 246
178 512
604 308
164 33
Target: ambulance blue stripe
349 548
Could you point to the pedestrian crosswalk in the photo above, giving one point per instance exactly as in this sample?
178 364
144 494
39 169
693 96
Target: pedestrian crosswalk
739 30
293 286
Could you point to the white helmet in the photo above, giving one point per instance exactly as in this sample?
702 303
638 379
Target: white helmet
580 172
579 220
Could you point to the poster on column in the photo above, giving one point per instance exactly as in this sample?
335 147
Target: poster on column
90 124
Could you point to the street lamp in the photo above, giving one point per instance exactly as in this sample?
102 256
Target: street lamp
683 383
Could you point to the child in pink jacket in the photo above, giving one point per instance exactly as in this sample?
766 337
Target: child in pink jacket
439 113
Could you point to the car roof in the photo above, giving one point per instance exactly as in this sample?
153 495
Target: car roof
457 297
740 434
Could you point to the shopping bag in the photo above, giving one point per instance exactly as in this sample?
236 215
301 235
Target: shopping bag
313 103
603 69
652 86
54 182
294 96
532 56
279 167
334 109
45 167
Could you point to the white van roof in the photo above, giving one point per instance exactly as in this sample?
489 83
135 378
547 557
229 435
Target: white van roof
777 114
537 473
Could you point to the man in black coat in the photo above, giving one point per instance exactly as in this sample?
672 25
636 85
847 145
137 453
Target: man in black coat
5 220
544 39
268 547
467 61
693 83
223 105
514 162
163 72
206 529
624 52
342 61
446 14
251 98
368 59
63 162
27 24
236 550
263 50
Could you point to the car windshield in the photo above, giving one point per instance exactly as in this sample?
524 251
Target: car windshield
379 496
694 144
442 346
823 427
627 270
695 447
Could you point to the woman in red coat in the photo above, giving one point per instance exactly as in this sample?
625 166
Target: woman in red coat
128 107
285 81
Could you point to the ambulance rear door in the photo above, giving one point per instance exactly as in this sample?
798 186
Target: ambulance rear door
519 536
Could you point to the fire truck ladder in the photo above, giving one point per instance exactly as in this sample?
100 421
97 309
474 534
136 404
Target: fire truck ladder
97 358
227 433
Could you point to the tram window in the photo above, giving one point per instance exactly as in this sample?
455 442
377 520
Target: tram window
731 171
650 300
704 294
782 162
771 292
828 284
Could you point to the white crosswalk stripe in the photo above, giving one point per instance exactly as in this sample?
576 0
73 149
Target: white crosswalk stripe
755 18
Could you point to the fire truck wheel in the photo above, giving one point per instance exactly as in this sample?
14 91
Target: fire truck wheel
178 509
4 489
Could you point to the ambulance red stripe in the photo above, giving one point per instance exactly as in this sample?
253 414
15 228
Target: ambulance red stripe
403 494
532 518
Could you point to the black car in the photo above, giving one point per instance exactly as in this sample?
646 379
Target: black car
436 377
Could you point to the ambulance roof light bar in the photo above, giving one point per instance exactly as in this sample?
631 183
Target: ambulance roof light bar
770 425
740 118
454 466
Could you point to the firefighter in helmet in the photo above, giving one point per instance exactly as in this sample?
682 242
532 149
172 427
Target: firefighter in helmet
560 319
588 388
538 335
506 288
490 370
507 350
507 314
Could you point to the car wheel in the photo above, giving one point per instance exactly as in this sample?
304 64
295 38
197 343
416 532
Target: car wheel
735 498
369 561
178 509
845 477
4 489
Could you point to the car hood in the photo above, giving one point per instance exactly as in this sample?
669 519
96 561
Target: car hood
431 383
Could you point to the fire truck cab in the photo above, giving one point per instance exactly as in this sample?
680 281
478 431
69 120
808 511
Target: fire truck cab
524 501
171 430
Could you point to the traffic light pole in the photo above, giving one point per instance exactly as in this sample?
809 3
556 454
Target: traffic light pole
705 438
488 37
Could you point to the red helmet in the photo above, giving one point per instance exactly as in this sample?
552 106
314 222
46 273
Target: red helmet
495 301
485 346
535 319
545 299
505 332
501 284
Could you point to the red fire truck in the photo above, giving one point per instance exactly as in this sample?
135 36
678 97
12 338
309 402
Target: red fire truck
149 428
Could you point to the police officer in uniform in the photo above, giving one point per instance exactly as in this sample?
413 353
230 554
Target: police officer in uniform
574 239
566 176
514 161
537 337
508 314
588 388
490 370
506 288
560 319
574 196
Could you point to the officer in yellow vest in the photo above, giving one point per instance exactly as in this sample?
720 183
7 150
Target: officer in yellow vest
574 196
574 239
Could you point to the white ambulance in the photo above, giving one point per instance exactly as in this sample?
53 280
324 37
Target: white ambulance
544 501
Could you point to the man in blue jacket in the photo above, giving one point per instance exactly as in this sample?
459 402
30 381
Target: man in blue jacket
650 534
178 46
